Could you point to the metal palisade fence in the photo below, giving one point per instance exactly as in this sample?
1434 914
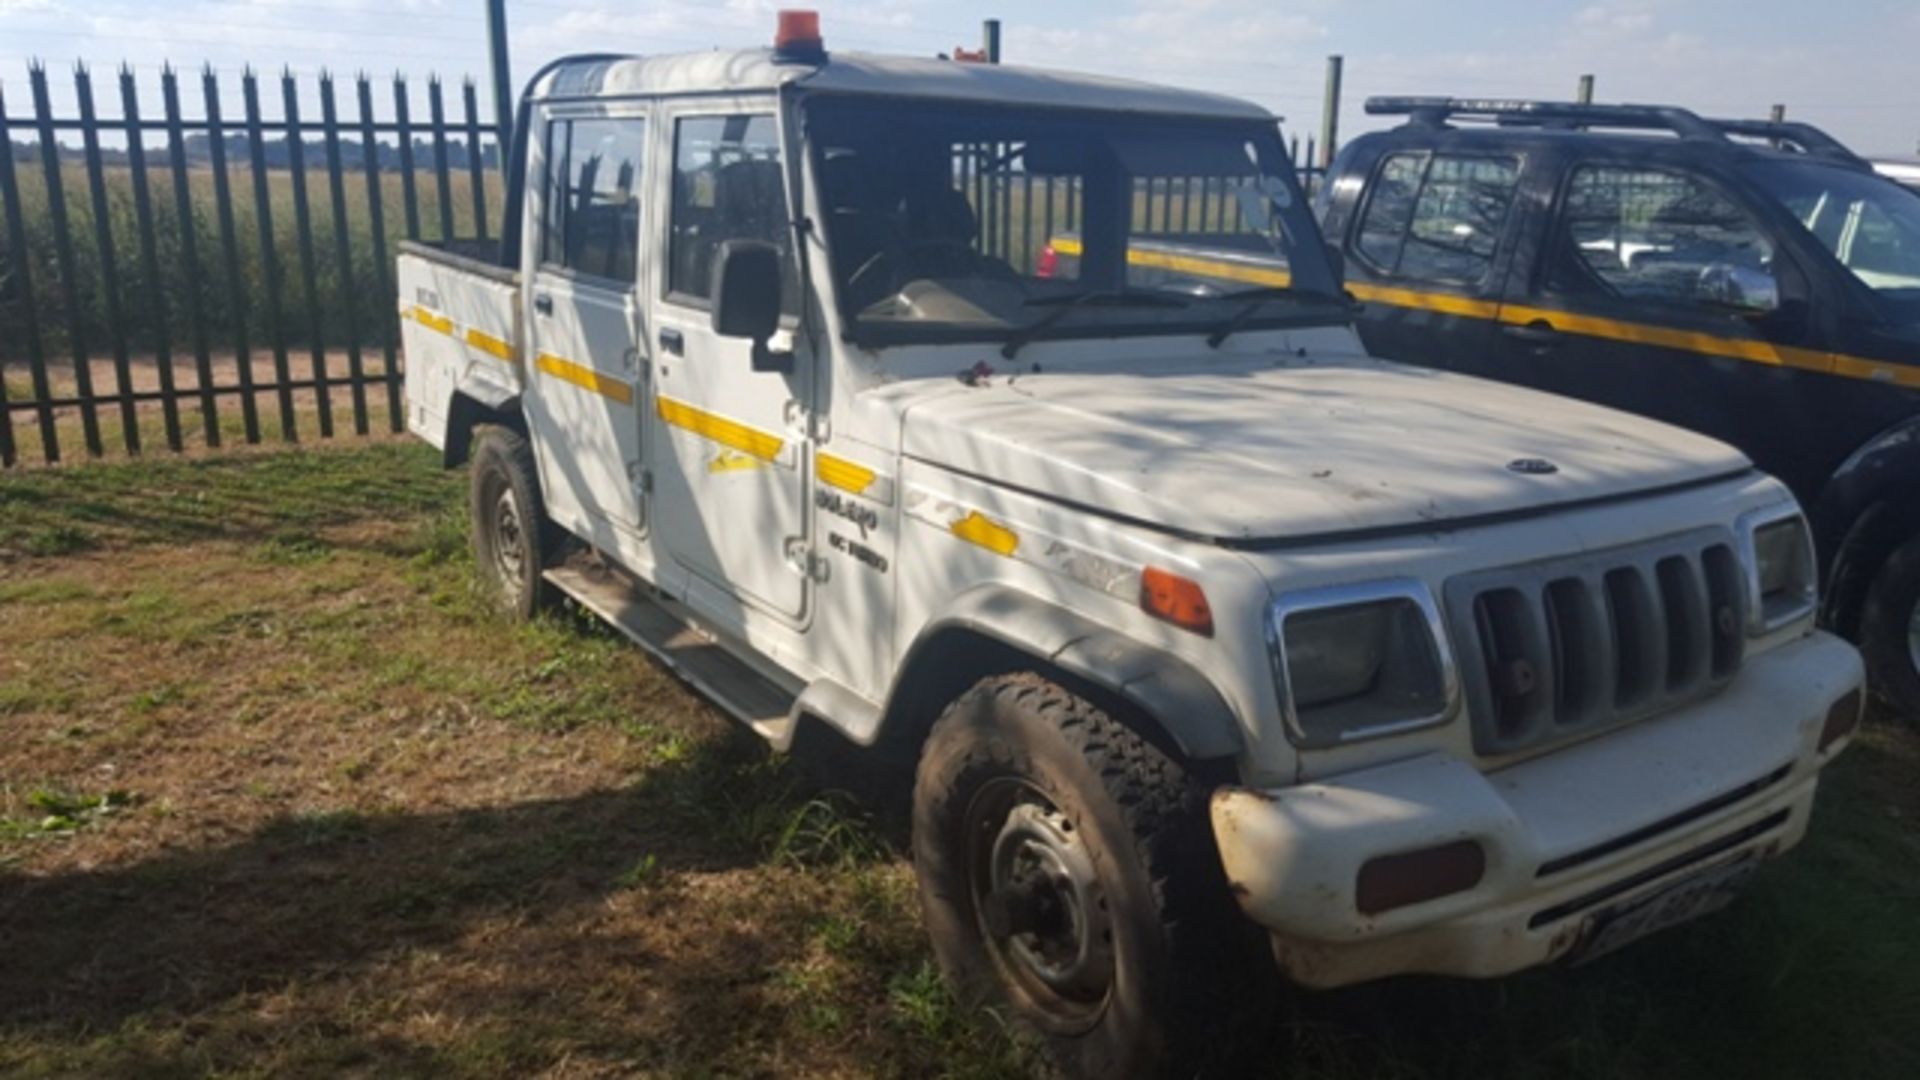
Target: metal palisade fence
220 278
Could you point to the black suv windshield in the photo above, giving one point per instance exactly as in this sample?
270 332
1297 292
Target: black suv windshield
951 222
1869 223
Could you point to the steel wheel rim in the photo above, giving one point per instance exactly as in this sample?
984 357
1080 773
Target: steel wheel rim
1041 908
509 538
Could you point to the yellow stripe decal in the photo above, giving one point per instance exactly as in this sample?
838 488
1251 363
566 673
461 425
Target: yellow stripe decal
1188 264
761 444
977 528
567 371
846 475
1733 348
1854 367
432 320
1759 352
1444 303
492 346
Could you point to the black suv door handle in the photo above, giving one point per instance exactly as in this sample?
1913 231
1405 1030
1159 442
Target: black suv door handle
672 341
543 303
1539 333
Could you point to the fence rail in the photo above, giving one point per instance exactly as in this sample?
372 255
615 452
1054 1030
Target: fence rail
139 290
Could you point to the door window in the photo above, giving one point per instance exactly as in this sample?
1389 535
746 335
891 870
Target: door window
728 184
1437 218
1665 237
592 207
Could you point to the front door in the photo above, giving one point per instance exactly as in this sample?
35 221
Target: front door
729 442
585 322
1660 294
1422 257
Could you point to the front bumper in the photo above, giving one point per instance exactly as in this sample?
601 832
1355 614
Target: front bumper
1567 836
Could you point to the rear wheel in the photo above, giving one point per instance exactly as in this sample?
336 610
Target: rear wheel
512 539
1067 869
1890 630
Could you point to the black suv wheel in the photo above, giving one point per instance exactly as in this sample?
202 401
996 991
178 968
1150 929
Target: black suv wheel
1890 631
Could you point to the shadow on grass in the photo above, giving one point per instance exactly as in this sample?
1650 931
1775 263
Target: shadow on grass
336 897
1812 973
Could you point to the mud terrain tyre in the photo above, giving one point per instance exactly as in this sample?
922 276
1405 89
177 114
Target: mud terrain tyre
513 542
1890 631
1067 870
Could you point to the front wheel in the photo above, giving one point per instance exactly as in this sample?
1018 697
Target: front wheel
512 540
1067 869
1890 630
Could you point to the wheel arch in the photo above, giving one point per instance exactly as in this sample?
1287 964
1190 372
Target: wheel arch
467 412
1865 512
996 629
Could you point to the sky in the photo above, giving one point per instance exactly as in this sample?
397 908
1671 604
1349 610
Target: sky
1847 65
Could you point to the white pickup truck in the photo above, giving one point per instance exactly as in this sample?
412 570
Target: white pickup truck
1194 618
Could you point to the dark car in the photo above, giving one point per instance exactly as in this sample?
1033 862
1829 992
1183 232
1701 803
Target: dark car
1755 281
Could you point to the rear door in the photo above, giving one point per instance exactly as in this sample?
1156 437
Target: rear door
1635 302
730 444
1424 253
585 318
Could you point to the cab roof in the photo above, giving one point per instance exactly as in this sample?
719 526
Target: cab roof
749 70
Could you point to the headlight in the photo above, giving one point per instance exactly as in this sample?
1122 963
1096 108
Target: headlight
1782 579
1358 661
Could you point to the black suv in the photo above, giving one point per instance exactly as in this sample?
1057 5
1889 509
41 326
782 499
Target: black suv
1754 281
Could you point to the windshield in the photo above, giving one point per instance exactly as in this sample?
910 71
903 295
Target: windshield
1871 225
951 222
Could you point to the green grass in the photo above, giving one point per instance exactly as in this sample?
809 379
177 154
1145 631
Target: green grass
279 796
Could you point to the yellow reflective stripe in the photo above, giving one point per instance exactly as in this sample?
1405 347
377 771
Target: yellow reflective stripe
761 444
1187 264
579 375
492 346
846 475
977 528
432 320
1854 367
1759 352
1445 303
1747 349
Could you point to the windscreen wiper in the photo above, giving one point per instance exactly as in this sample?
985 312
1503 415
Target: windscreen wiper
1257 298
1064 304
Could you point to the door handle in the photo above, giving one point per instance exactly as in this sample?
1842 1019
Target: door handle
1539 334
543 303
673 341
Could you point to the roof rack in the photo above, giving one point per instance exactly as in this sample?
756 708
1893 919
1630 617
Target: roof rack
1804 137
1574 116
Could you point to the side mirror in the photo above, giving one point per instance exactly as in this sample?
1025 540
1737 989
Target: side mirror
746 299
1753 291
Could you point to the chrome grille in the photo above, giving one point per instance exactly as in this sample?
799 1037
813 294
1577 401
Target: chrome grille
1555 649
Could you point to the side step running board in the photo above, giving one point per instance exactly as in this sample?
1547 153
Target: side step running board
688 652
